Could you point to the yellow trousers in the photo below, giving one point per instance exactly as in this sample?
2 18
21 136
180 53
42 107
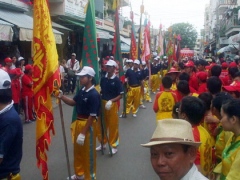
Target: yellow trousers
133 99
13 177
154 82
147 93
84 156
111 125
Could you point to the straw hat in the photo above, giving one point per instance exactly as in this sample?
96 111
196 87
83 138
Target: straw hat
173 131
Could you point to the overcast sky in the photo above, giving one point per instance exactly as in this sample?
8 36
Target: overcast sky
169 12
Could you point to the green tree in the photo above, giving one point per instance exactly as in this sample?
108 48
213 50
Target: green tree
188 34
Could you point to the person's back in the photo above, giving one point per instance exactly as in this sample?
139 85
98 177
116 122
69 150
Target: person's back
11 133
204 156
164 100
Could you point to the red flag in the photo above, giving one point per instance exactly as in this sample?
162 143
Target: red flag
133 47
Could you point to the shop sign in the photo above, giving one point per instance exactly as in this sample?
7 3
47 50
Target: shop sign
76 7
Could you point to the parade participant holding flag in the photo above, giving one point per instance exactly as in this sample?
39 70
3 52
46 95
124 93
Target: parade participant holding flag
145 72
134 78
111 91
87 102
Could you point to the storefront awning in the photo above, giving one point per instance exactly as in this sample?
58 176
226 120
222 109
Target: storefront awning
6 32
25 24
125 48
125 40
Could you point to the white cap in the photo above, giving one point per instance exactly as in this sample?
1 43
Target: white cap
143 62
86 70
73 54
111 63
156 59
20 58
130 60
164 57
111 57
5 81
136 61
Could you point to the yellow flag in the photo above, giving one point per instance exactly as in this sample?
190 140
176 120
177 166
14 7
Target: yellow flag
45 74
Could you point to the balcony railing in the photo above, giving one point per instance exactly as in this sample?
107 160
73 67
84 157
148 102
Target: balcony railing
225 3
232 22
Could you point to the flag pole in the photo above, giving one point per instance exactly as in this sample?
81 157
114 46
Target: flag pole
64 132
64 139
140 32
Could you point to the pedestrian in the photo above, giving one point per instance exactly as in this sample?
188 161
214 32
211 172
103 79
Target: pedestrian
189 69
229 168
21 63
111 92
8 63
173 73
11 132
135 81
87 102
15 87
164 100
27 94
73 67
173 151
202 80
192 109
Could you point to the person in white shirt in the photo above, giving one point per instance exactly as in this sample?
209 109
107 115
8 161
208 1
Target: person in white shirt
73 67
173 151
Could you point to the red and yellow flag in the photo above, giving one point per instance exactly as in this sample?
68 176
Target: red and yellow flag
45 74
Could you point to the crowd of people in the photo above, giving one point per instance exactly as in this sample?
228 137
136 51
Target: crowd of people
196 104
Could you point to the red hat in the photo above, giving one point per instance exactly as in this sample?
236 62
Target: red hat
189 64
202 76
232 64
224 65
8 59
28 67
235 86
173 70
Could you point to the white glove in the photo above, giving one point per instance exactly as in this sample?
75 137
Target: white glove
145 90
60 94
80 139
108 105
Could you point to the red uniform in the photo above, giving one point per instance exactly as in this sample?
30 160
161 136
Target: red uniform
27 95
16 90
193 82
202 88
224 77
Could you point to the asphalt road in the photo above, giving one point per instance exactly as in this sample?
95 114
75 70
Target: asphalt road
132 162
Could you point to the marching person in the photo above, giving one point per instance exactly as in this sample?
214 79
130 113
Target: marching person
73 67
145 72
193 82
87 102
111 91
11 132
8 64
27 93
173 151
154 75
134 77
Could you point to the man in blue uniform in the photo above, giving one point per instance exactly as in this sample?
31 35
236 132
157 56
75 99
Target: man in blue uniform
87 102
111 91
135 81
11 132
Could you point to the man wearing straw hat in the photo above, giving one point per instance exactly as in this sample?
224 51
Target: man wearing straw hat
173 151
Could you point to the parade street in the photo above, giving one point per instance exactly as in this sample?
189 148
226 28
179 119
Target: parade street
132 161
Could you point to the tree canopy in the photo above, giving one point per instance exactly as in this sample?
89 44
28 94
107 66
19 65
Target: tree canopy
188 34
